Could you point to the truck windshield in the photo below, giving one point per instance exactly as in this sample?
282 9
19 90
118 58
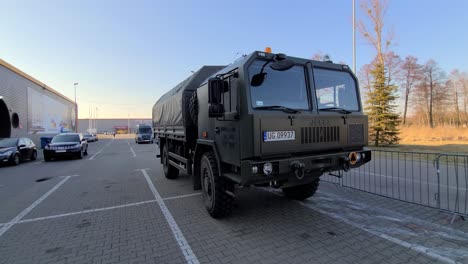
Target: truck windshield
280 88
336 90
144 130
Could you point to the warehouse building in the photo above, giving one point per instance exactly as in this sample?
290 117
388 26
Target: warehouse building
29 108
120 126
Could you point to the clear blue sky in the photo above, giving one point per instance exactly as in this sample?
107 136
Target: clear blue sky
126 54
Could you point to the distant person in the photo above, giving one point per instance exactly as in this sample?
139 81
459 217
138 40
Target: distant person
113 134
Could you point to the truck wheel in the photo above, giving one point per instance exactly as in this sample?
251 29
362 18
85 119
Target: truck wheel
302 192
193 108
217 191
169 171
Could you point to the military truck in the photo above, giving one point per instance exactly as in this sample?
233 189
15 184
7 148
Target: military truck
265 120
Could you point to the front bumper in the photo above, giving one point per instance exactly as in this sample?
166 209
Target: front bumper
61 153
4 158
286 171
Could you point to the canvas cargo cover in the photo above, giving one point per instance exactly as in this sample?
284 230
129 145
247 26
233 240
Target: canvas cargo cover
172 109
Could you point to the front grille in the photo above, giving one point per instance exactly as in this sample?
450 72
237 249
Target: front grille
62 147
320 134
356 133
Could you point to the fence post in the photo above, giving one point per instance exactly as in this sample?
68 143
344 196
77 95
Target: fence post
437 195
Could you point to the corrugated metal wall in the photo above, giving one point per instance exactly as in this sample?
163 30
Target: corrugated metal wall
109 124
14 90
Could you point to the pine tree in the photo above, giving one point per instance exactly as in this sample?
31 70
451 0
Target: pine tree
383 121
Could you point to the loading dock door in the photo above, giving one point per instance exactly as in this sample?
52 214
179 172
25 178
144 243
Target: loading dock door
5 123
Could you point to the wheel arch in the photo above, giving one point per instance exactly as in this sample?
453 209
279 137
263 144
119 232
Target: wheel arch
202 147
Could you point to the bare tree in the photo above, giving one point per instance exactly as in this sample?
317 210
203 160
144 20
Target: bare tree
376 10
318 56
382 93
393 64
411 74
432 90
458 82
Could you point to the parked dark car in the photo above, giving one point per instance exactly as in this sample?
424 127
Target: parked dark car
16 150
66 145
89 137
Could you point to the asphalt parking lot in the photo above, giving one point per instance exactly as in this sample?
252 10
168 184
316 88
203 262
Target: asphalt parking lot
116 206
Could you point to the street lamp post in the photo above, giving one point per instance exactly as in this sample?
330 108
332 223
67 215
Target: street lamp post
76 110
354 37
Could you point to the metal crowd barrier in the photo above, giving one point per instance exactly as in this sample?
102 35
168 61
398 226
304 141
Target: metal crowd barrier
429 179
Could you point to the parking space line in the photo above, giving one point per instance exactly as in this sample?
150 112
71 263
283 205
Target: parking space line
31 207
84 212
133 152
95 154
189 255
181 196
416 247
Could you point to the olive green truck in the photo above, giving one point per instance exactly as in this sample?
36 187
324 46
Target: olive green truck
265 120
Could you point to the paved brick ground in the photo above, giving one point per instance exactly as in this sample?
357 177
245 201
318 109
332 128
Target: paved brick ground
336 226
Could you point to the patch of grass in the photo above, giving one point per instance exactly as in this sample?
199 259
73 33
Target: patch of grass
431 140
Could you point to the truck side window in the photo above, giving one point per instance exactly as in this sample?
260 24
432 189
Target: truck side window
230 94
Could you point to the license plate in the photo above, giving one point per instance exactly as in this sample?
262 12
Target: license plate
279 135
60 151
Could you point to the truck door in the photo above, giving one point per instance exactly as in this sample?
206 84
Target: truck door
227 127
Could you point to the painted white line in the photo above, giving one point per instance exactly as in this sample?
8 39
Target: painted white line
133 152
74 175
416 247
95 154
190 256
84 212
181 196
31 207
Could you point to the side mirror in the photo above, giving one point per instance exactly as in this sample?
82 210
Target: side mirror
216 87
258 79
282 65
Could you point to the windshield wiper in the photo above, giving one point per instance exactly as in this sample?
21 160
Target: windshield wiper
336 109
278 107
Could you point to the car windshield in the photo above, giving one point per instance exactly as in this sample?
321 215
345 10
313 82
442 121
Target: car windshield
66 138
87 135
144 130
335 90
8 142
280 88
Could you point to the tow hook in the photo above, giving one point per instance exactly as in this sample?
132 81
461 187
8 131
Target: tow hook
298 168
345 164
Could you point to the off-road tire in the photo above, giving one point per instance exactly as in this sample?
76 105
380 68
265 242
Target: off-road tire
169 171
302 192
34 155
217 191
193 108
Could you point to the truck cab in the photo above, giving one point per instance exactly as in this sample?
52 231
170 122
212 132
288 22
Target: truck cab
272 120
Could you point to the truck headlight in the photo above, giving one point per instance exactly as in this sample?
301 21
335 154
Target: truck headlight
267 168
